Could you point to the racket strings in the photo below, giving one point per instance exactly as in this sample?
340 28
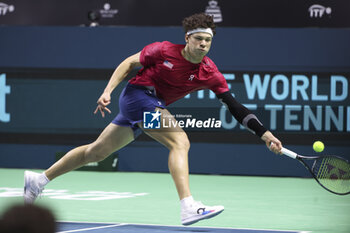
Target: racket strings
333 173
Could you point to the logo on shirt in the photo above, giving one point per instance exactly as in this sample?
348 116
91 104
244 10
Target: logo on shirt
168 64
151 120
191 77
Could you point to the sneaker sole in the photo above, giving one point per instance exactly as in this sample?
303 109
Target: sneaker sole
202 218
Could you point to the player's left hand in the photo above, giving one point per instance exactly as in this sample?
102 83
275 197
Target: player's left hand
102 102
272 142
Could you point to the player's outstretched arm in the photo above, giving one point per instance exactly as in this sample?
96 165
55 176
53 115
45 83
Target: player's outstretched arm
245 117
117 77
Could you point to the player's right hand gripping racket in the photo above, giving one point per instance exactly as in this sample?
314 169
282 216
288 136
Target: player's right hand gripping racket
331 172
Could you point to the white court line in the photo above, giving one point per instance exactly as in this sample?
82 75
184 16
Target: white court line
93 228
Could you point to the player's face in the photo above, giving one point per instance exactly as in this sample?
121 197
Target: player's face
199 43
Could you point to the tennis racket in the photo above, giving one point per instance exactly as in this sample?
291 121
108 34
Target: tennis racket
330 171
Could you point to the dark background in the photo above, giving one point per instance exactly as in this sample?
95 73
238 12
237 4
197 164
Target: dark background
227 13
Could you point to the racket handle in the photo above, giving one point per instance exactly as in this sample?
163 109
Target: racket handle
289 153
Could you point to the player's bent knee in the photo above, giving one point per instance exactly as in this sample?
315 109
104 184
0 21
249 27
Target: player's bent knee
182 143
186 144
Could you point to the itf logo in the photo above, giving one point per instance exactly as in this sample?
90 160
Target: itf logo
151 120
4 8
317 11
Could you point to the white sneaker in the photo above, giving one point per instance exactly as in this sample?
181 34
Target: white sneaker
32 187
197 211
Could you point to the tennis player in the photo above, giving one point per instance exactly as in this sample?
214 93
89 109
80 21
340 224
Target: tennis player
169 72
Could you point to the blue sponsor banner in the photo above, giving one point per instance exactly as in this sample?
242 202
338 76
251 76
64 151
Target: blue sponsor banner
51 105
284 102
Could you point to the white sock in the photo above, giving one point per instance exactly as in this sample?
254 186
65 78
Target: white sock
187 201
43 180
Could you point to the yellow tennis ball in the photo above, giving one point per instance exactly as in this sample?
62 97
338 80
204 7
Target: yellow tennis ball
318 146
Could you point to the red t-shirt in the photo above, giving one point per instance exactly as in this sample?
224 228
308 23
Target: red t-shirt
172 76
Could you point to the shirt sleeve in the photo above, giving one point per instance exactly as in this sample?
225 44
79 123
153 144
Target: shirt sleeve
150 54
220 84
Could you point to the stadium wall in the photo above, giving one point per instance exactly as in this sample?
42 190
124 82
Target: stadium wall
41 64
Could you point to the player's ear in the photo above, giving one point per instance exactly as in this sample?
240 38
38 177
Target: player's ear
186 38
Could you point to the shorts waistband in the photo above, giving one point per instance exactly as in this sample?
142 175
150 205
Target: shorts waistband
151 88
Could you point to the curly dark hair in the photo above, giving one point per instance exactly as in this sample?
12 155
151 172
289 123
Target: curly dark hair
200 20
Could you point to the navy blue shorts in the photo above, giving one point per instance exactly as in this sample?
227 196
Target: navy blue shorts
133 101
